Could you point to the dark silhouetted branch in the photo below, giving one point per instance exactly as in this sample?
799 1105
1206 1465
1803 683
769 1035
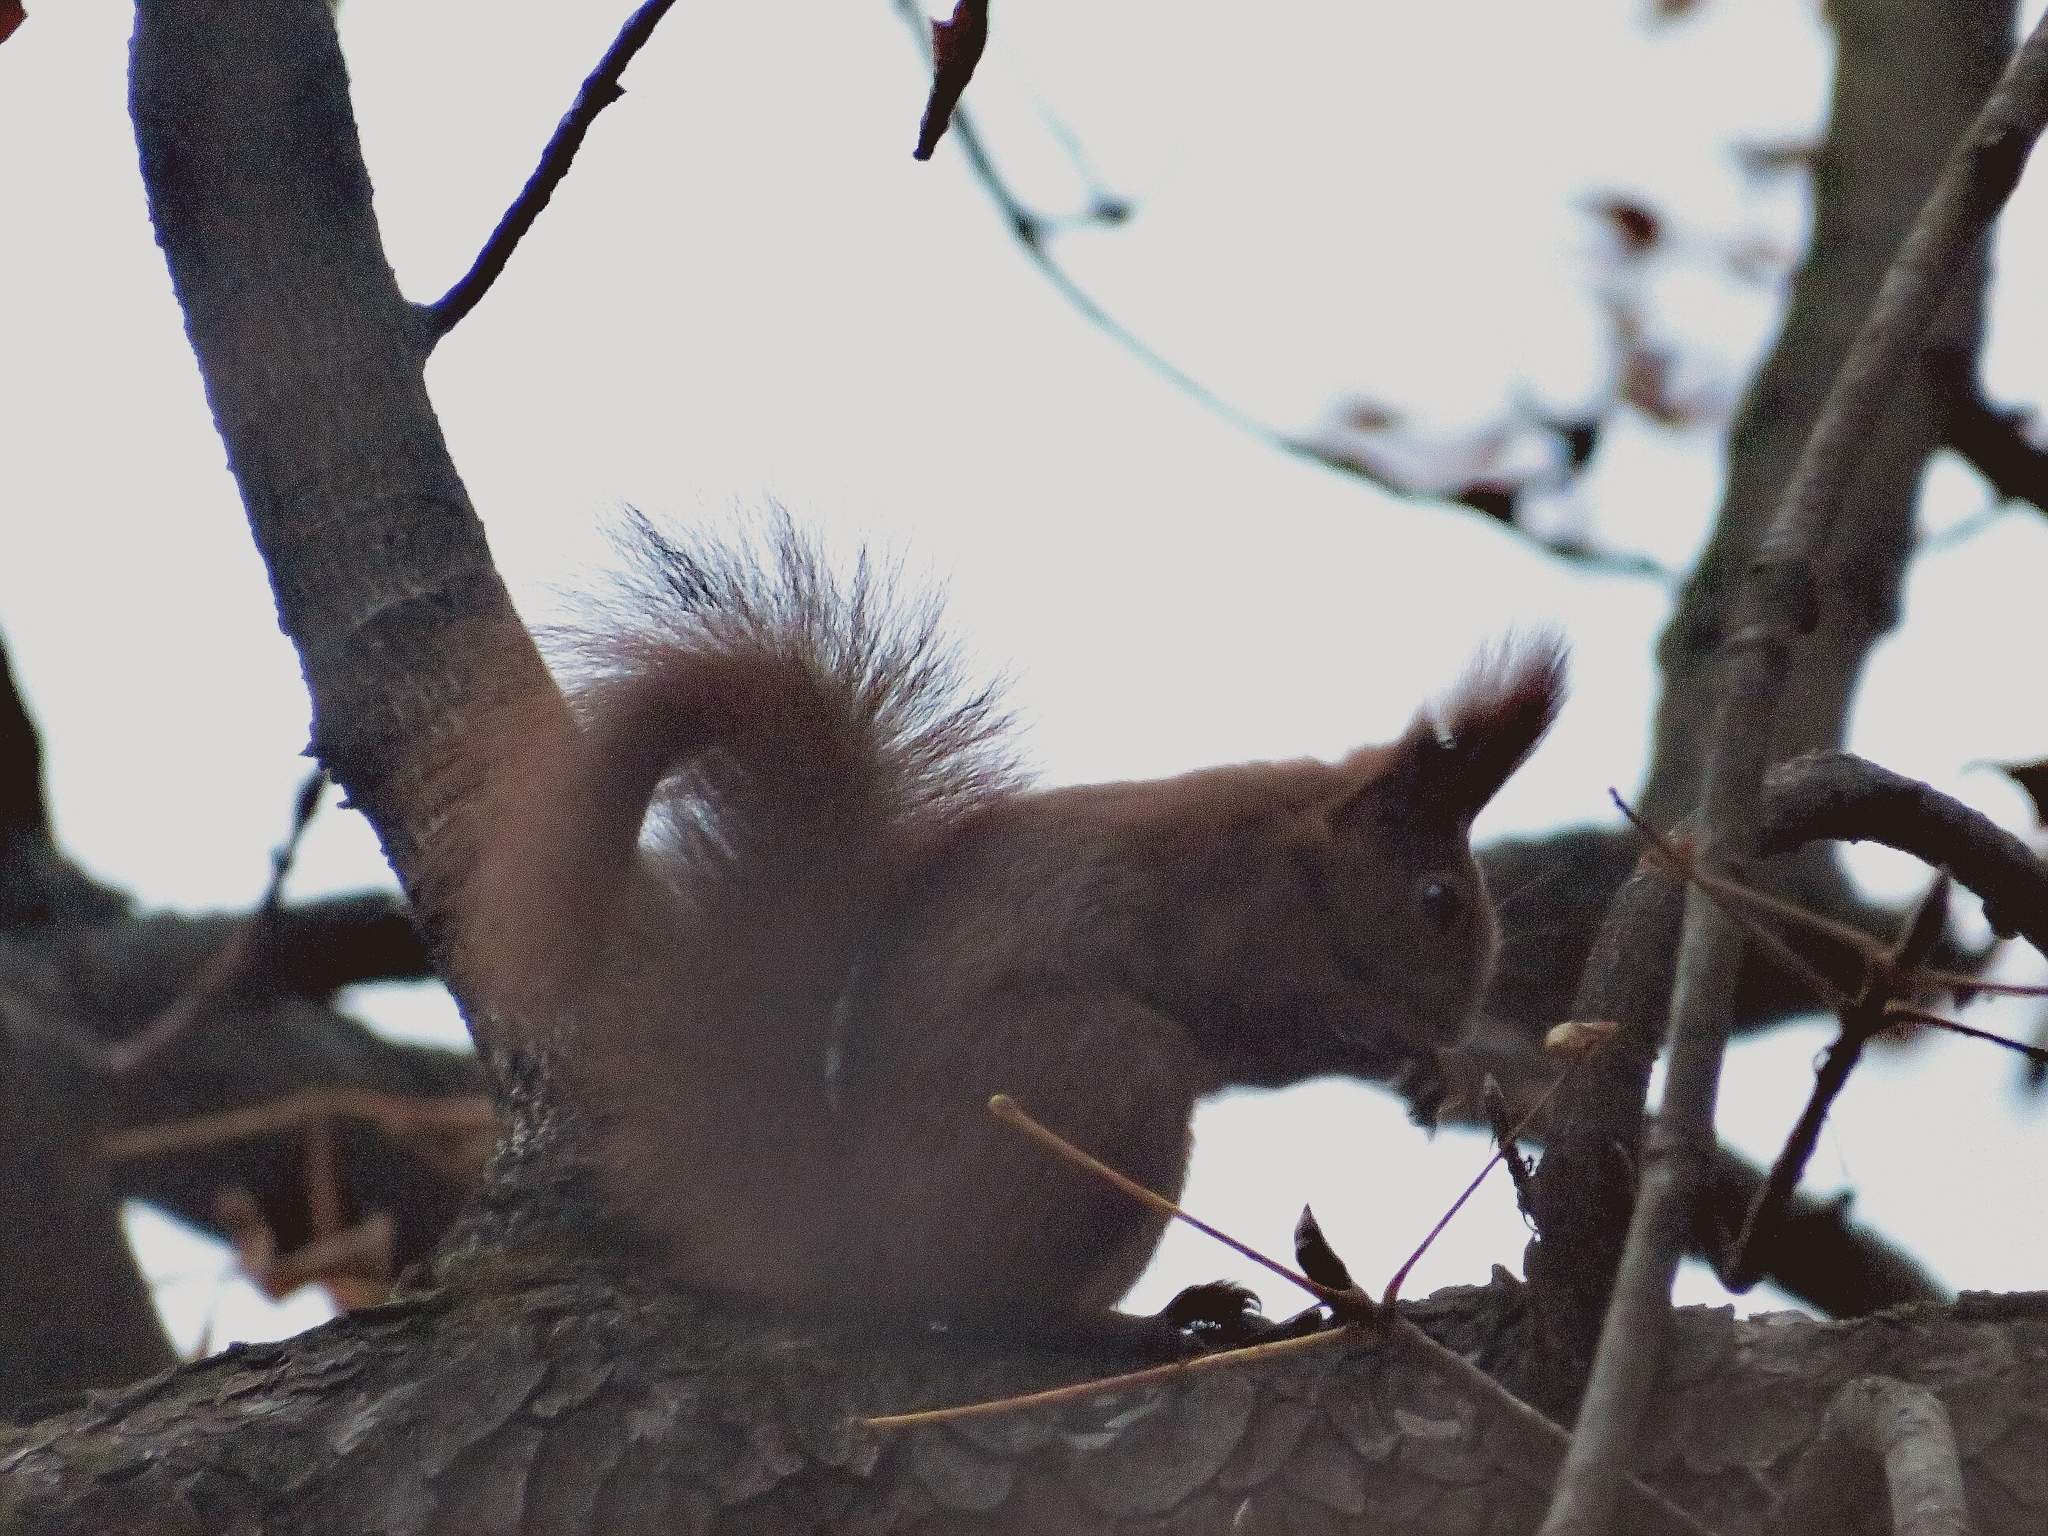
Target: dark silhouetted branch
1994 442
1844 797
322 946
600 89
24 813
1819 1255
1863 1018
38 885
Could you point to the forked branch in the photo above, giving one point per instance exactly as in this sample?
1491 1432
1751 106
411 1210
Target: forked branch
1778 603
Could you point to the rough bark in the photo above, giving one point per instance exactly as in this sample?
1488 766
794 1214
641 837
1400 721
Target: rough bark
570 1407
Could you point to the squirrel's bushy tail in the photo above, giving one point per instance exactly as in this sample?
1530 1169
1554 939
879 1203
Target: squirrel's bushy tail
779 718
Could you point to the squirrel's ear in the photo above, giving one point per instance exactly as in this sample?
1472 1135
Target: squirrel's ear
1454 759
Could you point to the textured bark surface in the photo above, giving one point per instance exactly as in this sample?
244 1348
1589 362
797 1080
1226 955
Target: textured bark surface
570 1407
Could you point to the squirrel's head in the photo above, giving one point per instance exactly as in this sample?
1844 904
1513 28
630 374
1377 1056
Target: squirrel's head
1345 929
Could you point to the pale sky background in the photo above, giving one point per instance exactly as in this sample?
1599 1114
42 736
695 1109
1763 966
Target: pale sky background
747 289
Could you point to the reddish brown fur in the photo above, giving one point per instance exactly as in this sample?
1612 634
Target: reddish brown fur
792 989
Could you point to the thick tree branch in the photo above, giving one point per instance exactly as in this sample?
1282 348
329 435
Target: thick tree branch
1585 1186
1779 601
73 1310
571 1407
37 884
318 948
383 578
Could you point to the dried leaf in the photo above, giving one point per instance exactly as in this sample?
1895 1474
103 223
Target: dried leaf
11 16
956 49
1318 1260
1639 227
1575 1040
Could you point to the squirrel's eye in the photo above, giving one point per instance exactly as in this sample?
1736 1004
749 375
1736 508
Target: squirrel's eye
1440 904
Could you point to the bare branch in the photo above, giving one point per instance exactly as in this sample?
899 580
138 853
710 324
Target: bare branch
1994 442
600 89
1863 1017
24 812
1778 602
340 941
232 960
1820 1256
1850 799
1033 231
1505 1134
1884 1464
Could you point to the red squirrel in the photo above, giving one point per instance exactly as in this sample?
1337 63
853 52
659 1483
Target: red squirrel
797 918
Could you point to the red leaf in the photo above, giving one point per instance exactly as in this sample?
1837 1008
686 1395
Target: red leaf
11 16
956 49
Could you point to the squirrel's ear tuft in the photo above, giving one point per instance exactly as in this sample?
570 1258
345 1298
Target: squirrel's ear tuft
1455 758
1495 716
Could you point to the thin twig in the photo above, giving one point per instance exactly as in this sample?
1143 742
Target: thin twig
1732 898
1010 1113
1099 1386
1862 1017
1539 1436
1506 1136
1032 230
1903 1015
600 89
1500 1152
406 1118
1776 604
226 965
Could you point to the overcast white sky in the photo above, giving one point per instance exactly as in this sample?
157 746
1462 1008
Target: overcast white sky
747 289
